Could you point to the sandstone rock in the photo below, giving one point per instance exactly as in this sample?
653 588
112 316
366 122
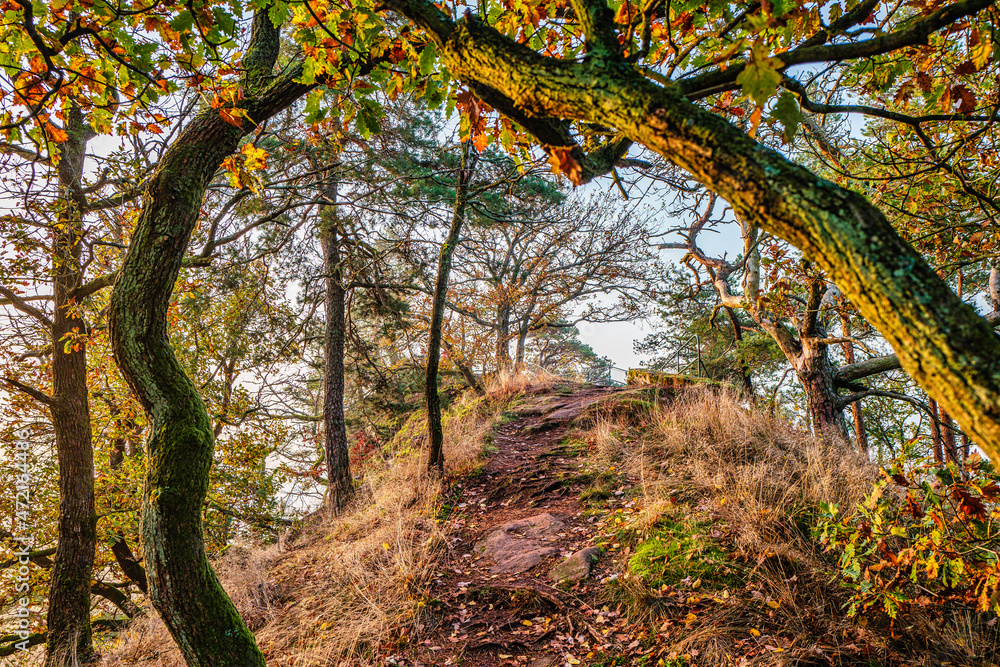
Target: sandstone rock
575 568
520 545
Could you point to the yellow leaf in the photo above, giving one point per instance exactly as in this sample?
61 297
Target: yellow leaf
774 604
385 545
254 158
755 632
690 618
504 656
526 623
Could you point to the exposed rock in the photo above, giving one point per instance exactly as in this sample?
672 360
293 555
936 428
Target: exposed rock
543 661
520 545
577 567
646 376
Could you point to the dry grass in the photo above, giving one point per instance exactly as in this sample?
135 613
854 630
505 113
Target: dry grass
347 586
753 483
529 379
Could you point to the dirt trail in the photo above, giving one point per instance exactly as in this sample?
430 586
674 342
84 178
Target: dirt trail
489 611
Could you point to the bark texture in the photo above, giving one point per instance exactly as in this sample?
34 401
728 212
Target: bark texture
340 484
941 342
435 433
68 642
182 584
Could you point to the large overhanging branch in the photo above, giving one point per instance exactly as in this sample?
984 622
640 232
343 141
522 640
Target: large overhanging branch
941 341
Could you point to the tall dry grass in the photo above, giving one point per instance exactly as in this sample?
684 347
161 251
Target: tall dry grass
519 381
347 587
754 483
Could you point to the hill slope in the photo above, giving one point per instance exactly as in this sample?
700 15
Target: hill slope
679 522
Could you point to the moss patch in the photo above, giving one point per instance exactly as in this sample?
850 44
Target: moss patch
679 550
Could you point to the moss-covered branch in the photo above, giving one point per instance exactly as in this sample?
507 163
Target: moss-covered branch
942 342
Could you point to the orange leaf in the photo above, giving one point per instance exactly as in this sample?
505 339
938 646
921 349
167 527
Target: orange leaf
563 162
230 118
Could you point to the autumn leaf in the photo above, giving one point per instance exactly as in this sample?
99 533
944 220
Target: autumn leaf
968 504
967 99
231 116
254 158
562 161
761 77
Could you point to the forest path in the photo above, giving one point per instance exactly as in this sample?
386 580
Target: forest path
494 598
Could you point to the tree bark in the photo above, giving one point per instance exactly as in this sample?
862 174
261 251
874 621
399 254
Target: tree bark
503 335
941 342
340 483
859 419
68 642
435 433
815 373
745 374
182 585
522 338
936 444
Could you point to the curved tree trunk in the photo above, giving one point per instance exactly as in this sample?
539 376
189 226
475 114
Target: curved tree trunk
340 484
182 585
68 642
435 434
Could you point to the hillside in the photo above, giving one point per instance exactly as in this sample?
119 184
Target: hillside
577 525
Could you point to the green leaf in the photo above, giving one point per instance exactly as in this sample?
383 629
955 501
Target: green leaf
760 79
428 58
367 120
786 111
278 12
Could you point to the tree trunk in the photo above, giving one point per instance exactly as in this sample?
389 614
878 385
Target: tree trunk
503 335
435 433
949 439
182 584
69 635
522 337
340 483
936 444
943 343
859 419
745 375
816 374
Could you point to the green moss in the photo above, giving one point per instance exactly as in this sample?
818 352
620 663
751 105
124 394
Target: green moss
678 550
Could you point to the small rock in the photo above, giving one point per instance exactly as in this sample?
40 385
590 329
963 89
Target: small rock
518 546
543 661
577 567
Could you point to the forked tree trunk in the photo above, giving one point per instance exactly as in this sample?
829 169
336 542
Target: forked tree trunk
340 483
182 584
816 374
69 635
435 433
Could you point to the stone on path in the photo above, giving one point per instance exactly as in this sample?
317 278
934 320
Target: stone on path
520 545
577 567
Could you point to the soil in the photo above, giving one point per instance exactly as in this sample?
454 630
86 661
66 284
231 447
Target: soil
522 618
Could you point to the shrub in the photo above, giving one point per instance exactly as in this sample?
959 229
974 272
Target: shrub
924 537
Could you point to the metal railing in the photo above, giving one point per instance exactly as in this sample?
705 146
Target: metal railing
682 361
609 376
